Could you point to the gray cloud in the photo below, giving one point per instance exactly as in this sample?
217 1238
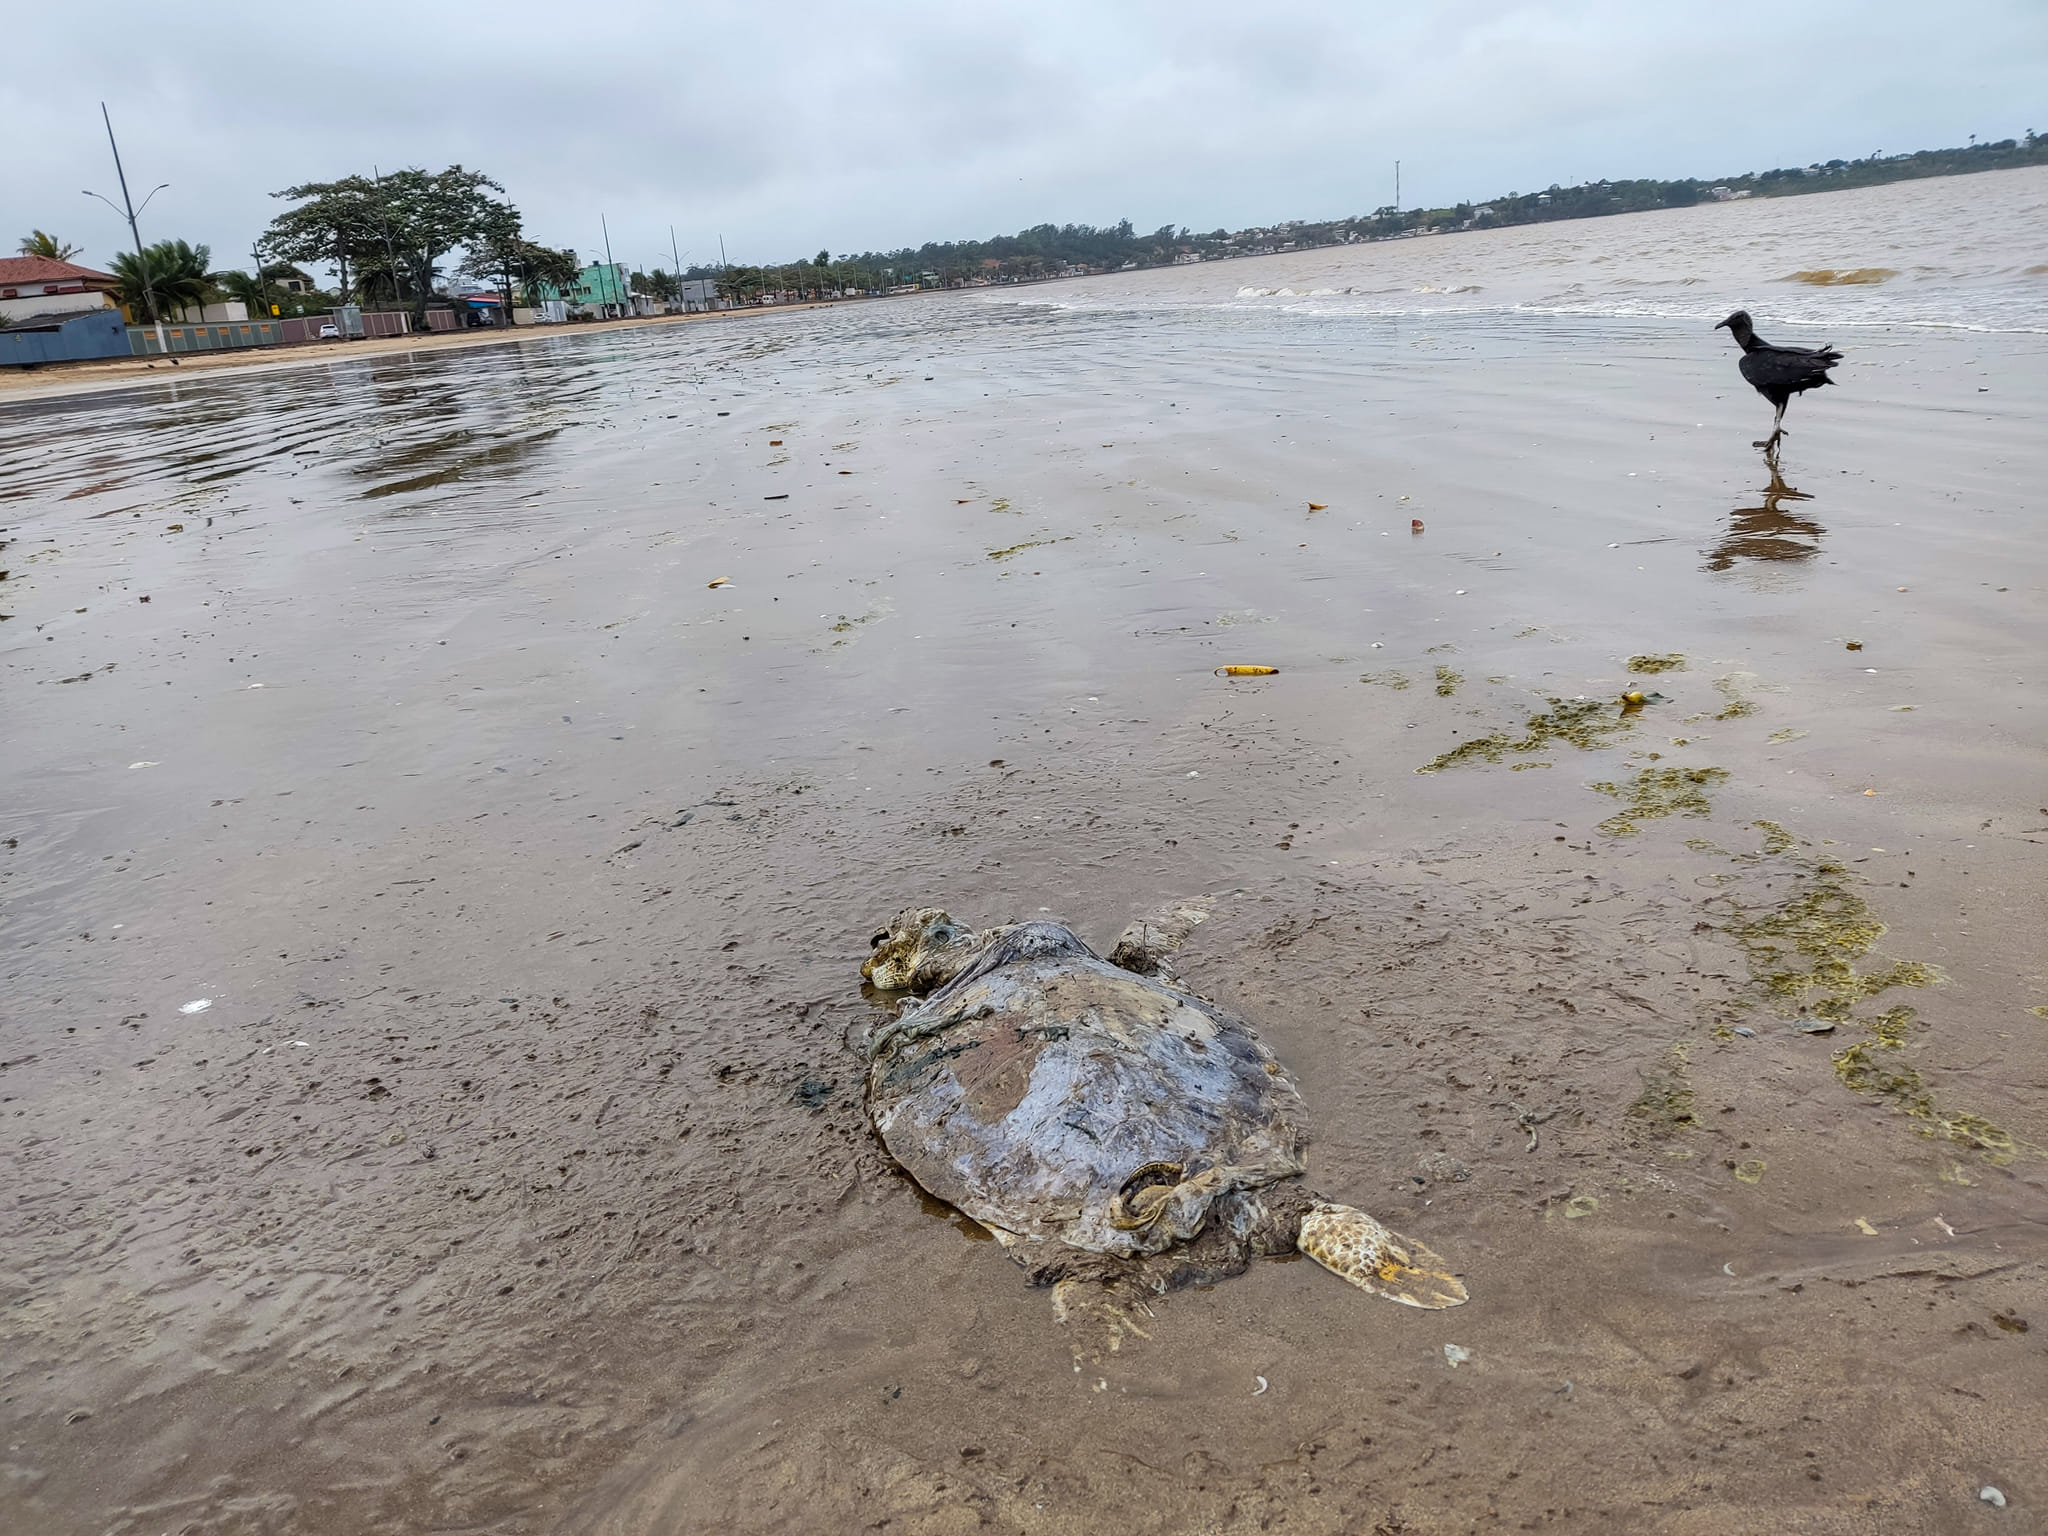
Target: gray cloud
803 125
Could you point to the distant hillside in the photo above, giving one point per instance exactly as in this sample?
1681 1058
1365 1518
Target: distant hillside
1049 250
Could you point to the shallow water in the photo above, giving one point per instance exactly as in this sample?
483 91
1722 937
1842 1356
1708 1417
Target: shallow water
514 1175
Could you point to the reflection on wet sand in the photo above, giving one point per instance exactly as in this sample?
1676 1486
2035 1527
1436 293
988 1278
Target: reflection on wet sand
521 828
1768 532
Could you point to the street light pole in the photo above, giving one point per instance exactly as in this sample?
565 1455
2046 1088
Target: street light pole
677 257
611 272
163 344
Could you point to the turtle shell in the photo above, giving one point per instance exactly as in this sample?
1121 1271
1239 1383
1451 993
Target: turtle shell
1042 1088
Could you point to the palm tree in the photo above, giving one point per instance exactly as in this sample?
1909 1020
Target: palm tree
36 243
174 271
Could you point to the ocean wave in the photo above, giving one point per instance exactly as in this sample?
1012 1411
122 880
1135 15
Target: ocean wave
1830 277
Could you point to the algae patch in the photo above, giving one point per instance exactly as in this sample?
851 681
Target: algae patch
1738 706
1584 723
1673 662
1666 1103
1659 792
1447 682
1811 956
1394 680
1018 549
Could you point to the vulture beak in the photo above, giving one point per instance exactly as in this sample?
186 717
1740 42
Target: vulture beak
1719 323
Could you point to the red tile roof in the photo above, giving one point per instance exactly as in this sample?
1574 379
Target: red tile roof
42 269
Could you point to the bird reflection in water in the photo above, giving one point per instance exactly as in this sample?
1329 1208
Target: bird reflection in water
1768 532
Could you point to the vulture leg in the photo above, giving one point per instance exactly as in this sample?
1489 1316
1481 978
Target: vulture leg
1769 444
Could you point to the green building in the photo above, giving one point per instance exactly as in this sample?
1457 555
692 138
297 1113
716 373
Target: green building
602 288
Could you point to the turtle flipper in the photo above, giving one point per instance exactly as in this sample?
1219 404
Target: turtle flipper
1350 1243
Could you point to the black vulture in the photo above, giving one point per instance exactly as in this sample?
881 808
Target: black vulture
1778 373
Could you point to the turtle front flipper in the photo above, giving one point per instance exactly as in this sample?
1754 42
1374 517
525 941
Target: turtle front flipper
1350 1243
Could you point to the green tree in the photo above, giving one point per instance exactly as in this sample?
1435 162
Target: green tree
246 287
428 214
174 271
741 285
336 222
36 243
496 247
557 269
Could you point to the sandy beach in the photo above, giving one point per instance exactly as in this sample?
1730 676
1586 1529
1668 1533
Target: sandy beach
433 909
56 380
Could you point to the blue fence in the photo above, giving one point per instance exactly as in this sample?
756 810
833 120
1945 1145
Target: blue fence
99 333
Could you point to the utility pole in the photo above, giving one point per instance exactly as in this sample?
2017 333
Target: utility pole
677 257
262 283
390 251
1397 186
611 273
163 344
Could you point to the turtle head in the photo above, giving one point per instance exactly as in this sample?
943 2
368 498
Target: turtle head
921 948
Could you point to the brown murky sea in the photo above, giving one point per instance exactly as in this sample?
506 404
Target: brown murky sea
514 1176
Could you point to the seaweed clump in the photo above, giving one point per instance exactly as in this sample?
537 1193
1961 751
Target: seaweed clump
1394 680
1738 706
1658 792
1447 682
1653 664
1807 954
1585 723
1666 1103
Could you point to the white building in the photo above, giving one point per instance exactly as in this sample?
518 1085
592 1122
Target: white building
39 285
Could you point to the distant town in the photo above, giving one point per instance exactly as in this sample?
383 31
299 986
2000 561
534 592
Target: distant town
419 251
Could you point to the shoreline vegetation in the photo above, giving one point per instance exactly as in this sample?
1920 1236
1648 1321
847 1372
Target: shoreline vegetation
1076 250
1048 252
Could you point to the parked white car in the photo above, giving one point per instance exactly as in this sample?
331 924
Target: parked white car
329 331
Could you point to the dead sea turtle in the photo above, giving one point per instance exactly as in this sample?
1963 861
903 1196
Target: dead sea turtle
1099 1120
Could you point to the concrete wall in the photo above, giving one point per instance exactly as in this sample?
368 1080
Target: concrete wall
233 311
28 306
206 338
98 334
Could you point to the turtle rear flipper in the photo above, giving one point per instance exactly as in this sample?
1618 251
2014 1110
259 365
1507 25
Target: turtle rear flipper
1350 1243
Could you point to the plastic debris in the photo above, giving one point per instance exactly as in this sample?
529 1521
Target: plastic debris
1414 523
1987 1493
1865 1227
1456 1355
1260 1387
197 1005
1745 1031
723 581
1247 671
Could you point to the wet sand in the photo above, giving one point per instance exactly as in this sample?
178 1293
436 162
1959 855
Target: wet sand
515 1177
89 377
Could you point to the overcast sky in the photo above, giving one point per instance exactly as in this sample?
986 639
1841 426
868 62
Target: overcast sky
798 125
